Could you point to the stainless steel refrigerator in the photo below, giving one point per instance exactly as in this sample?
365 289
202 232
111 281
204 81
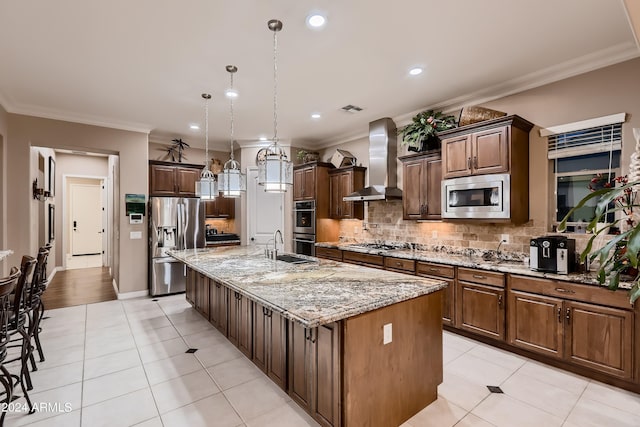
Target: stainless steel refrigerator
174 223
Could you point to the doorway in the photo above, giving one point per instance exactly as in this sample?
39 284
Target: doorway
85 222
265 211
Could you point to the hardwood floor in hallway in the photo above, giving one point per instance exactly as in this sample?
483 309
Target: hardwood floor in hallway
77 287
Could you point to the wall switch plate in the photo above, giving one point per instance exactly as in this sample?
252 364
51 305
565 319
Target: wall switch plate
134 235
387 334
505 238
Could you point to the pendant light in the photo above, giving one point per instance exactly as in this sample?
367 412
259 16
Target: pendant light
206 186
231 181
275 171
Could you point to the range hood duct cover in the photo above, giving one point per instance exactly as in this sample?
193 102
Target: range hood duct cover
383 176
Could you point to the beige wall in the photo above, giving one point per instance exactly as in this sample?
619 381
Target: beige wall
3 186
132 147
72 165
602 92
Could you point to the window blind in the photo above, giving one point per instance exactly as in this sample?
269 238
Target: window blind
586 141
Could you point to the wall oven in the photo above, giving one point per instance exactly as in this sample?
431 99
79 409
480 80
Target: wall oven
481 197
304 244
304 217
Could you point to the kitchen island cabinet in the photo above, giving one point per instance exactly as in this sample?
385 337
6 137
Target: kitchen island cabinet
334 316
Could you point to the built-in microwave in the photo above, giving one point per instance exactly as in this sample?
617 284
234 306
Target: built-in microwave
480 196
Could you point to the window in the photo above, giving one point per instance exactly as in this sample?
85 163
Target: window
583 159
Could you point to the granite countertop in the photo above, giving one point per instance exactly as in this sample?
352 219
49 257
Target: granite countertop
449 257
313 294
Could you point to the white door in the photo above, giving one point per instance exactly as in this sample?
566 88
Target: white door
264 211
86 219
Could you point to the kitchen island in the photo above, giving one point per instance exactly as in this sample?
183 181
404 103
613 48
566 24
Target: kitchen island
351 345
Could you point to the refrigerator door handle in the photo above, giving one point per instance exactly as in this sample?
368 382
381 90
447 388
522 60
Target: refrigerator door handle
180 236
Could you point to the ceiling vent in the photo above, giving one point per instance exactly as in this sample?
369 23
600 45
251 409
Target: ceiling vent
351 108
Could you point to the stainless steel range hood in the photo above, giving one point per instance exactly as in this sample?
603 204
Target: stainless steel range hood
383 176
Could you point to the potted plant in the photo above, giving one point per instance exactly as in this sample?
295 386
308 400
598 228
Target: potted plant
307 156
422 133
620 255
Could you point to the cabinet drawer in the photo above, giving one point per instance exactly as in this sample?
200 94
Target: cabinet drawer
572 291
400 264
370 260
481 276
330 253
432 269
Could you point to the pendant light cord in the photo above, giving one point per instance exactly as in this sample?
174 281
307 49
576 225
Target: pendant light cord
206 171
275 87
232 128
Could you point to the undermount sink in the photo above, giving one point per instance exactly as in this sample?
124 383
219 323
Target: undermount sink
292 259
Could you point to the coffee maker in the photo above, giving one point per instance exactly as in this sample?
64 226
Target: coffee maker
553 254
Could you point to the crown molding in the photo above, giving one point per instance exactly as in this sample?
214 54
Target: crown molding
584 64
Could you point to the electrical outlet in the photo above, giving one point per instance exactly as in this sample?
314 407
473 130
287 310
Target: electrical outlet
504 238
387 334
134 235
434 234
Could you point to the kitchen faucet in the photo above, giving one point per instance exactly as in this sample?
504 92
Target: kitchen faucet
498 250
275 239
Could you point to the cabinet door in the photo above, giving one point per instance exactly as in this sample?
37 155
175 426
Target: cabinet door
259 336
277 349
186 181
335 199
600 338
203 295
448 303
456 156
345 188
481 309
490 150
222 308
233 317
162 180
326 374
211 208
413 191
432 202
309 187
245 324
224 207
190 286
217 306
298 184
299 360
536 323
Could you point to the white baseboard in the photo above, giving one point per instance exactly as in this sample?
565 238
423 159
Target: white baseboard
53 273
134 294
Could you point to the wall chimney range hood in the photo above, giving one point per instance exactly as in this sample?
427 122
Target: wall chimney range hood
383 149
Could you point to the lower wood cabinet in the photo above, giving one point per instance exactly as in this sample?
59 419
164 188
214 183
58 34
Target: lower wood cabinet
218 306
202 294
239 330
190 286
367 260
590 335
314 371
329 253
270 344
481 302
448 274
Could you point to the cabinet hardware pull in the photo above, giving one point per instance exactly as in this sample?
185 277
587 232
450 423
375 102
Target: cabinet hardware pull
306 336
475 162
568 315
437 270
311 338
479 276
468 162
500 301
398 263
559 315
566 291
264 311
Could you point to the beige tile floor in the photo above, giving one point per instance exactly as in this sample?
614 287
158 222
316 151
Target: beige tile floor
122 363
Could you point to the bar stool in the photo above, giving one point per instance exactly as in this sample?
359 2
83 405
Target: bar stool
7 286
40 282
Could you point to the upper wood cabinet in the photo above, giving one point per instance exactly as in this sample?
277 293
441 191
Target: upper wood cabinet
311 182
170 179
422 176
493 146
221 207
342 182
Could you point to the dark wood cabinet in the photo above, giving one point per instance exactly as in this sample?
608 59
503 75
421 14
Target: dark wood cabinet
493 146
481 302
202 295
168 179
401 265
422 175
220 207
270 344
190 286
239 330
342 182
543 320
448 274
311 182
218 306
367 260
329 253
314 371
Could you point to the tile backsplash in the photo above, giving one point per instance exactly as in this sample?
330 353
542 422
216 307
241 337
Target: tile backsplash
385 223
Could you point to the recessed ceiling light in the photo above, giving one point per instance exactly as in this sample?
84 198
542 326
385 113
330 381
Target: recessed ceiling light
415 71
194 127
316 116
316 20
231 93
